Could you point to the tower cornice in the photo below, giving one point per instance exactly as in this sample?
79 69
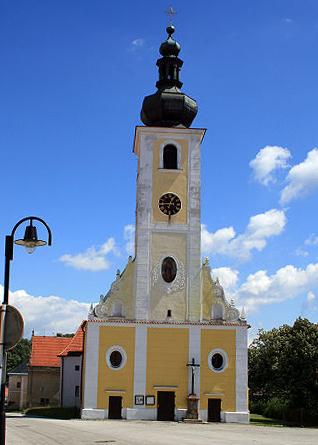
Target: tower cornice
161 132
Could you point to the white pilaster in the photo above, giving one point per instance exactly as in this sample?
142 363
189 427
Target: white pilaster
91 366
195 352
143 233
140 360
241 370
194 219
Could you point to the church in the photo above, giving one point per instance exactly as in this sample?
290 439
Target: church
164 343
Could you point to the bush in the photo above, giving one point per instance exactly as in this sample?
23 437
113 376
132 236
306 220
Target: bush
53 412
277 409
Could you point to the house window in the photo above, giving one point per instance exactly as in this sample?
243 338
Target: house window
76 391
170 157
18 384
77 367
169 269
44 401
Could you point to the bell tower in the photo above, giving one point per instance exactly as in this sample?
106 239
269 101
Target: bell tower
168 226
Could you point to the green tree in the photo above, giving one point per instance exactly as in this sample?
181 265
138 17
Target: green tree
20 353
283 367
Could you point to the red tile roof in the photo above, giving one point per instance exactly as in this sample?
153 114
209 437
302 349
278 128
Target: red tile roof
76 345
45 350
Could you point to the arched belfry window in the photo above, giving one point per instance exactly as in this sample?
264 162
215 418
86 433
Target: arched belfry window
170 157
168 269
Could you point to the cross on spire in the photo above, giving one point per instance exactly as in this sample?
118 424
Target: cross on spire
170 13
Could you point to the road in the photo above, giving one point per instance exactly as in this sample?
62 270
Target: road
36 431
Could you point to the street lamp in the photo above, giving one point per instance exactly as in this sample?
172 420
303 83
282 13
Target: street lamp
30 241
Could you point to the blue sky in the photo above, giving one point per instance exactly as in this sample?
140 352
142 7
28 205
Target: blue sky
73 75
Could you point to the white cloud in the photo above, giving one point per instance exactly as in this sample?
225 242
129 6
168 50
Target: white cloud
92 259
286 283
48 315
302 178
310 305
259 229
312 240
228 277
136 44
129 237
267 160
216 242
310 297
301 252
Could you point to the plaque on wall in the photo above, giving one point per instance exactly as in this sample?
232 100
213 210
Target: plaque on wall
150 400
139 400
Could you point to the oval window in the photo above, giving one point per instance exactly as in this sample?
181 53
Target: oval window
115 359
217 361
169 269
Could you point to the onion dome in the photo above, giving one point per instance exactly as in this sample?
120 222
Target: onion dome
170 47
169 107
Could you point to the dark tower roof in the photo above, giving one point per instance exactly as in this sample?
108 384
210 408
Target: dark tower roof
169 107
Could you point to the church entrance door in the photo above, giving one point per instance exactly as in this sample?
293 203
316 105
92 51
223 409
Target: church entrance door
166 404
214 410
114 407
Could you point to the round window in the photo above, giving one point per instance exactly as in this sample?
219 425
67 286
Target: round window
217 361
169 269
115 359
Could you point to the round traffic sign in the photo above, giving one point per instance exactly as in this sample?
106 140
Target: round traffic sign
13 327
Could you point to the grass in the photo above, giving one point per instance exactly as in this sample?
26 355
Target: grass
258 419
53 412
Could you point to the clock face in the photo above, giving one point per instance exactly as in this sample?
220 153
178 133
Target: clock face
169 204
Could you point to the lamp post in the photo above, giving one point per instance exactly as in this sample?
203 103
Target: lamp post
30 241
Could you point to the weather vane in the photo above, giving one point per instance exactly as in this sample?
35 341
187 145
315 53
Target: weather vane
170 13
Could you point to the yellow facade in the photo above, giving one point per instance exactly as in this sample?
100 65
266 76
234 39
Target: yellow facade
167 355
219 385
121 381
173 181
166 370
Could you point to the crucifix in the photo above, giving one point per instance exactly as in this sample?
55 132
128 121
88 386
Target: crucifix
170 13
193 366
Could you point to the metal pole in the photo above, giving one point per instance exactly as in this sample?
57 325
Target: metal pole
3 355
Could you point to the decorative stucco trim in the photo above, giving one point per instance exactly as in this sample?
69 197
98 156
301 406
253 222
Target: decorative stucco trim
211 324
177 284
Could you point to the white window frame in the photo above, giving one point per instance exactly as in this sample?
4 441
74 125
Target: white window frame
124 356
225 360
